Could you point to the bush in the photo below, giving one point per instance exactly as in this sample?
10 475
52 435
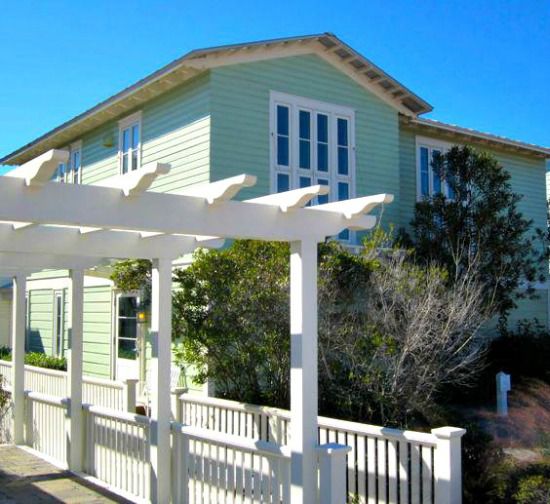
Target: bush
37 359
523 484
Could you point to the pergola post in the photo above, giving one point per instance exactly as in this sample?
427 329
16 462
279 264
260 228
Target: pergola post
75 424
161 341
18 357
303 372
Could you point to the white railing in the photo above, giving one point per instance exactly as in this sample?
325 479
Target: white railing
45 425
117 449
383 466
211 468
111 394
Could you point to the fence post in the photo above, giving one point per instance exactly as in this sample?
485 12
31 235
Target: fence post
129 394
275 426
176 392
448 465
332 477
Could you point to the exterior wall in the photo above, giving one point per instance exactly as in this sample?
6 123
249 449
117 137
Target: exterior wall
528 178
5 317
175 128
240 121
97 314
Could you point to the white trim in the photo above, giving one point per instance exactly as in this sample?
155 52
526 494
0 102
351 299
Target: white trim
75 147
430 144
65 282
333 111
58 347
123 124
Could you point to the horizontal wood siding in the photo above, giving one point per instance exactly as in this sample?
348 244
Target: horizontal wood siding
41 321
528 178
240 121
97 331
175 130
5 319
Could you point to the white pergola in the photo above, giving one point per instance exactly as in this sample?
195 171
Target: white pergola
52 225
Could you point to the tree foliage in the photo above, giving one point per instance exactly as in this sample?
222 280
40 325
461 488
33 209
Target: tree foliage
390 332
480 231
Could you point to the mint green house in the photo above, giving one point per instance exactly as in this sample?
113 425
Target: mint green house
292 112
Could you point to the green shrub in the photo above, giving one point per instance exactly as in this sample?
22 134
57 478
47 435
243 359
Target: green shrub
37 359
523 484
533 490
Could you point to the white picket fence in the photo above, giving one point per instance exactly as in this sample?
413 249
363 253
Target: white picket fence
384 465
111 394
225 451
117 449
209 467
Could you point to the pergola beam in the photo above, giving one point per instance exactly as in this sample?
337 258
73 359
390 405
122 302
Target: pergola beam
11 262
40 170
138 181
291 200
221 190
167 213
64 241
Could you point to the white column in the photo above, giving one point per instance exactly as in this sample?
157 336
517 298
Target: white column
161 340
303 372
75 434
448 465
18 357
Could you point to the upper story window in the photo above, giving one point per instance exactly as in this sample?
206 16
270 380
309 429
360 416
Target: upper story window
428 181
129 143
71 171
312 143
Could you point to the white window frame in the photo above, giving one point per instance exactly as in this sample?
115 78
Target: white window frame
123 124
314 107
431 144
58 345
75 147
117 295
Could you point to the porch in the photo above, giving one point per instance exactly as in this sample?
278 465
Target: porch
167 456
24 478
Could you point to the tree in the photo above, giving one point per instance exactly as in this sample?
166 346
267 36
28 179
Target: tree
479 232
391 332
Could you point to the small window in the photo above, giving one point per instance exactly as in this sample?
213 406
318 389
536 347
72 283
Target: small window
74 174
130 143
59 323
429 179
283 140
127 324
305 140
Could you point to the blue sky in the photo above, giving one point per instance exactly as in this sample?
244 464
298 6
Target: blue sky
482 64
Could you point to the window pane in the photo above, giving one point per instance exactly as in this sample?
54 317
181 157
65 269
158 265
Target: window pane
344 235
437 177
282 151
424 172
127 349
127 328
305 154
343 191
283 182
124 163
76 166
134 159
125 140
322 128
342 132
305 181
135 136
282 120
323 198
322 157
127 306
305 132
343 160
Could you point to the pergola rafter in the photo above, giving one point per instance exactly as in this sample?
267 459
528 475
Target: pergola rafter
53 225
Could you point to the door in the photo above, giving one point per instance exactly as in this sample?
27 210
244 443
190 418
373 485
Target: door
127 341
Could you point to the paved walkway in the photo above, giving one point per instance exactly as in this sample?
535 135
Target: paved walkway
26 479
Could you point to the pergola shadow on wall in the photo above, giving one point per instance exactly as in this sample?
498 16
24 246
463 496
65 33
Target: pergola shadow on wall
45 224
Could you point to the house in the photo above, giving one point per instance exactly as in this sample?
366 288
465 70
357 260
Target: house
291 111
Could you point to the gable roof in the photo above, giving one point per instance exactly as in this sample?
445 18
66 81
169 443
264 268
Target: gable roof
468 134
326 45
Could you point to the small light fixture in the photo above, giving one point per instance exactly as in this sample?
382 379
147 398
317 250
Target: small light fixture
141 316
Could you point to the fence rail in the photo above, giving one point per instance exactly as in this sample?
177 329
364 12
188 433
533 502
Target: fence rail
45 425
211 468
112 394
117 449
383 466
